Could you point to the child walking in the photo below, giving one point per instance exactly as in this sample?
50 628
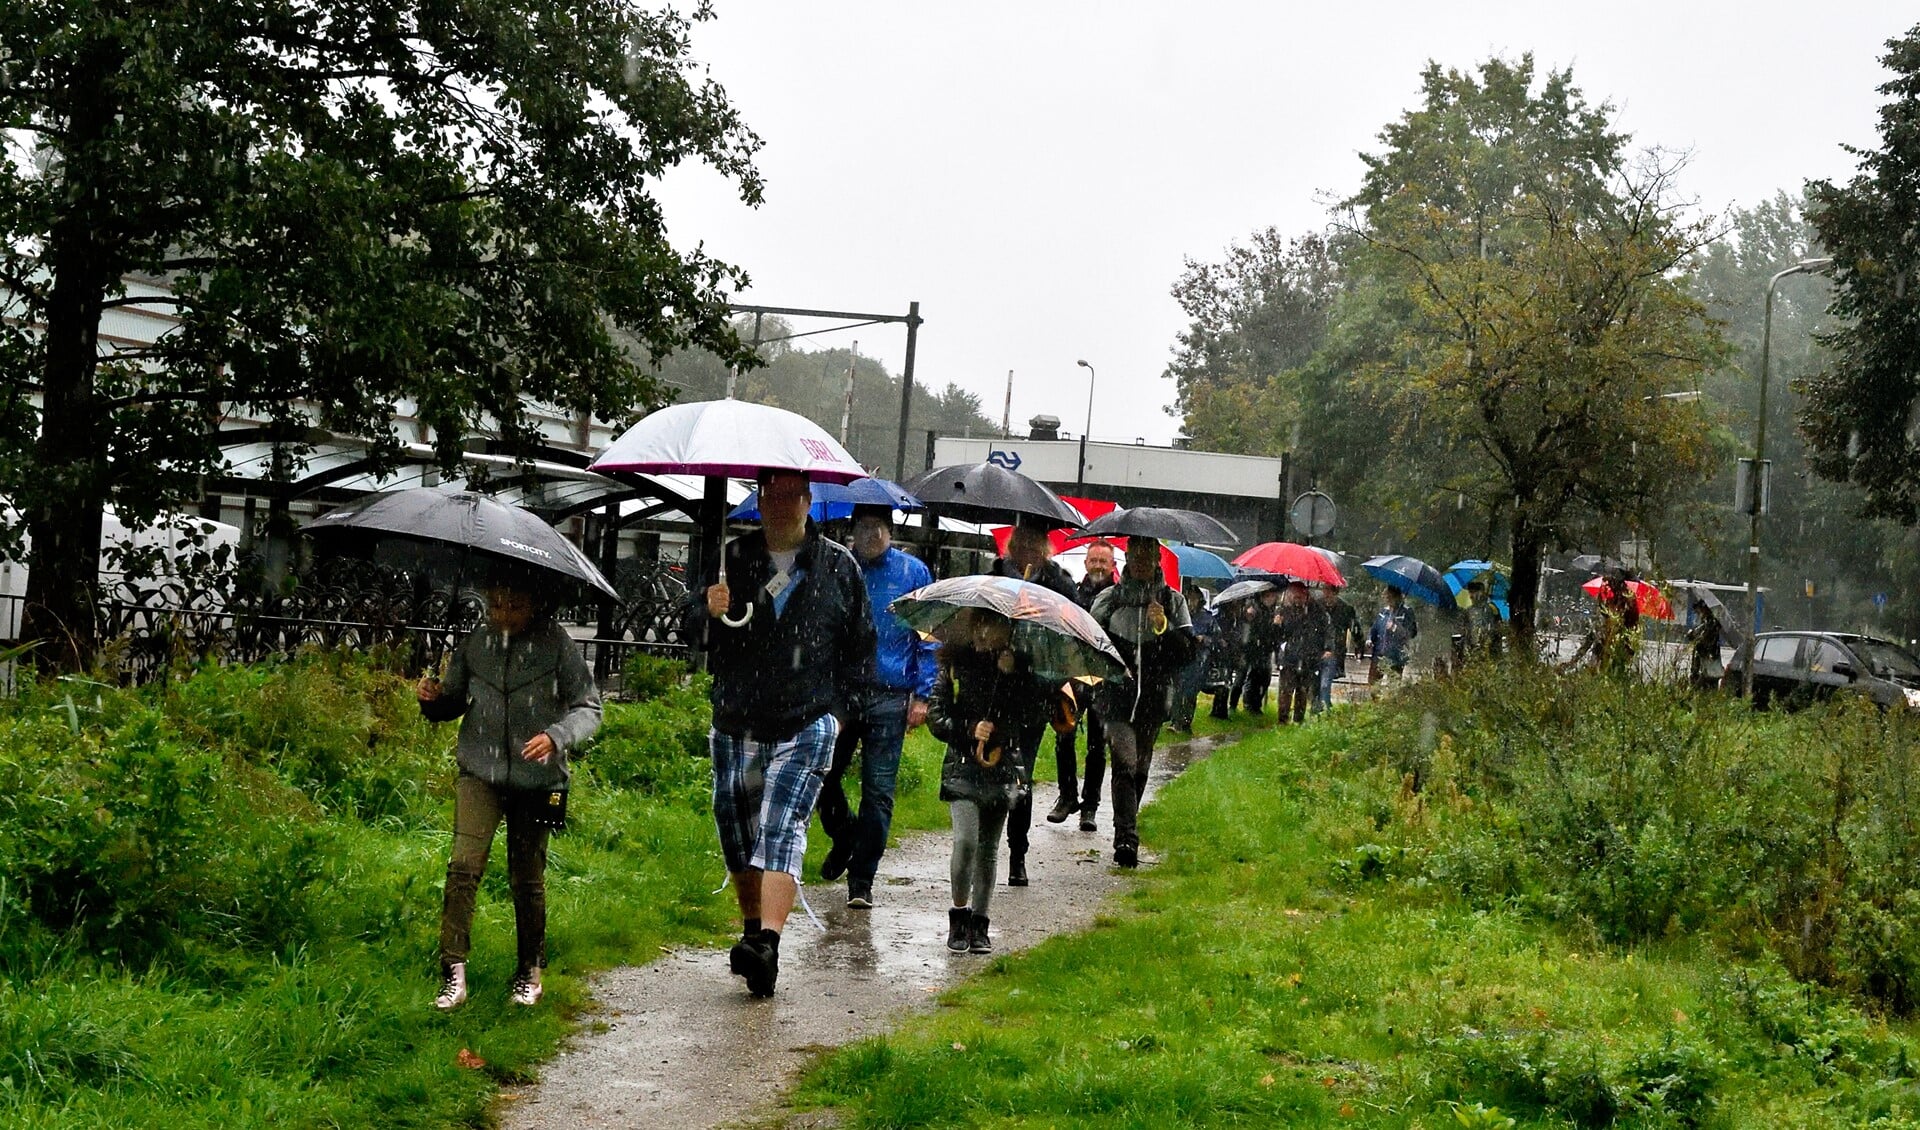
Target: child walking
986 697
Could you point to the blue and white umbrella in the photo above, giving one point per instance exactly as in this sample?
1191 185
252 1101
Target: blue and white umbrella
1463 573
1410 575
832 500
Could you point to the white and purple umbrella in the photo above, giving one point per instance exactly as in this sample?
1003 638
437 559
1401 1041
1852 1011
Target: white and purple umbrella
732 439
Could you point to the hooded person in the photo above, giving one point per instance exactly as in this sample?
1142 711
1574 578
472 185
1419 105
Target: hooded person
1149 623
525 700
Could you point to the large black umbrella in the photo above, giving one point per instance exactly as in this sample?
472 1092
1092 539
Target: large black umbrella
480 527
1163 522
988 492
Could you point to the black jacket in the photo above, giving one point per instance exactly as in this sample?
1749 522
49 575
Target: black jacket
971 688
1050 575
776 674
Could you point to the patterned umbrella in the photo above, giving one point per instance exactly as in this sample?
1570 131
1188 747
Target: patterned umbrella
1058 637
1410 575
1463 573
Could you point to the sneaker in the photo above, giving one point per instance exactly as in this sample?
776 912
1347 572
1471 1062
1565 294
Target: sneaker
758 960
1064 807
1087 821
526 988
859 894
959 920
1127 857
838 856
977 939
1017 870
453 987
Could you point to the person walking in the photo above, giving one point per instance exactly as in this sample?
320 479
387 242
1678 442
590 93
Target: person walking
1074 798
1343 629
790 644
525 699
1302 652
1391 637
1704 640
1150 625
883 712
1257 651
1186 689
986 701
1029 557
1232 622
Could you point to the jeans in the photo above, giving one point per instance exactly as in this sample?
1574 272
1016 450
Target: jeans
1186 690
477 811
879 736
1020 816
1253 687
976 852
1064 766
1330 669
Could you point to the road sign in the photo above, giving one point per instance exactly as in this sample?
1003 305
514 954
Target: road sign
1008 459
1313 514
1879 600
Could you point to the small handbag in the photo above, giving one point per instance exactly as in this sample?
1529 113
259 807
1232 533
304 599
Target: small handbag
543 808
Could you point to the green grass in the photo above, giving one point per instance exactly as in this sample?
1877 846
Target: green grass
1272 971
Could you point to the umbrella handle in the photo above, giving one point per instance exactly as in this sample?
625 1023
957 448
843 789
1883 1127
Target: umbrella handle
744 617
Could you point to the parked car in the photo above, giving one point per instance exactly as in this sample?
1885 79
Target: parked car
1797 668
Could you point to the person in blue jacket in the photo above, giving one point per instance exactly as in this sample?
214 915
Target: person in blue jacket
891 703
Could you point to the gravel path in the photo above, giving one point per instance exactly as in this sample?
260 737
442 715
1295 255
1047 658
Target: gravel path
679 1043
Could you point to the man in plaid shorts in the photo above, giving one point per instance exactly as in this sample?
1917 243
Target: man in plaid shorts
789 643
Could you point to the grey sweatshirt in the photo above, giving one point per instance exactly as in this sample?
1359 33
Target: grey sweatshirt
509 689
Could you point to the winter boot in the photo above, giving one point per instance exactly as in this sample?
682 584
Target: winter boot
977 939
959 919
453 987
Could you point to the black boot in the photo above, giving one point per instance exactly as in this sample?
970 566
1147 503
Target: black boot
977 939
1017 869
758 960
1064 807
959 919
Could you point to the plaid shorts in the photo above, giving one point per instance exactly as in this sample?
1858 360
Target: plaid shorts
763 794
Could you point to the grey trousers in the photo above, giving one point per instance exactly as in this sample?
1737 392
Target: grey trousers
1129 759
976 852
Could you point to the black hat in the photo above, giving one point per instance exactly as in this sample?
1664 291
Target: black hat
873 510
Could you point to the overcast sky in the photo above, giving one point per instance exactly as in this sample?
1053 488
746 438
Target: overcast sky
1034 173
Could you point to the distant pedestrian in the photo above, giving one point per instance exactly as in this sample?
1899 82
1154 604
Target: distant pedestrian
986 701
877 722
794 651
1302 652
1704 640
1029 557
1186 689
1342 630
526 700
1261 640
1153 631
1392 635
1077 795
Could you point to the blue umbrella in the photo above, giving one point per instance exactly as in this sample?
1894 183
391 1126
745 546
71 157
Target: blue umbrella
1198 565
1462 573
1410 575
831 500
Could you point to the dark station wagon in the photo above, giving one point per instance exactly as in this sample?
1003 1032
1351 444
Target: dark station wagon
1796 668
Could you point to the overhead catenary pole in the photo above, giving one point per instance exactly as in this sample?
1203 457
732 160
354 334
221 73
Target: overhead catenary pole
906 390
1006 412
846 408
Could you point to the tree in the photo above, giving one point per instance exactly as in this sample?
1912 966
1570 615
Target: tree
351 206
1862 414
1255 316
1532 278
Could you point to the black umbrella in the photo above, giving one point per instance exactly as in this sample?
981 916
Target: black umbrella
1163 522
491 531
1596 564
988 492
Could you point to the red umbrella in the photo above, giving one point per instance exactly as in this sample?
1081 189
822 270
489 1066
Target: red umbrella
1650 600
1297 561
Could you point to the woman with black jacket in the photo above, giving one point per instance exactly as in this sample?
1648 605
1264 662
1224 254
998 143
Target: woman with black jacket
986 701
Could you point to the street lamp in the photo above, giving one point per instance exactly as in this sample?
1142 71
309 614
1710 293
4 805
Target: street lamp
1082 480
1759 471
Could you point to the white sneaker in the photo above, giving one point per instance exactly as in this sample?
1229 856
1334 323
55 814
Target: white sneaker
526 988
453 990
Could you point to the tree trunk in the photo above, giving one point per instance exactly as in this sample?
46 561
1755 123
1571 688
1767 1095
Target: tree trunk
63 509
1528 546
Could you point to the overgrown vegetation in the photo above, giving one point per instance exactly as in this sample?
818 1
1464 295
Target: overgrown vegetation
1494 902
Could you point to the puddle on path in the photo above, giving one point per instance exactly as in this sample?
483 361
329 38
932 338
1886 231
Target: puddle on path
681 1044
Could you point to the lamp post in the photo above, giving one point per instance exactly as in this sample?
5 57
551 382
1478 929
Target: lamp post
1082 479
1759 473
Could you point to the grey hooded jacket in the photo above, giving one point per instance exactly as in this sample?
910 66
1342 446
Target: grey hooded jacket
509 689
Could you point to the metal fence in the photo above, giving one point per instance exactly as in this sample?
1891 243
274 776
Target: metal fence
145 628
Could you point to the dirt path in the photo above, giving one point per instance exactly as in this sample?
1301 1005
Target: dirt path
679 1043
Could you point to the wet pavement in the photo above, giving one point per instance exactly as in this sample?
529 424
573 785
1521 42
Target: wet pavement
679 1043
